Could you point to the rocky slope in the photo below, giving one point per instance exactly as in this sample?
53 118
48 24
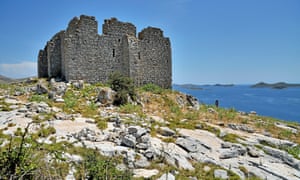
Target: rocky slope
161 135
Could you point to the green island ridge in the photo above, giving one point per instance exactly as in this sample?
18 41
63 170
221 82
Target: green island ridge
279 85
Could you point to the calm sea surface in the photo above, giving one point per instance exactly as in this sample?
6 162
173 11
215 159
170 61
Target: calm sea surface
278 103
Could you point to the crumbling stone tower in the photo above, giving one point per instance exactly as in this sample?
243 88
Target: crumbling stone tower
80 53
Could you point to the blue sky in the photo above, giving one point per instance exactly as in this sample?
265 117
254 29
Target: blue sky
213 41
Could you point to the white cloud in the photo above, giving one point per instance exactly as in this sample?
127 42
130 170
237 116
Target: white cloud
19 70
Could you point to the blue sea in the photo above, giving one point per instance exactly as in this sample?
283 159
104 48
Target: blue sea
282 104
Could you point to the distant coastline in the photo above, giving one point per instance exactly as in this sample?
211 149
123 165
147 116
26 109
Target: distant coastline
279 85
189 86
200 87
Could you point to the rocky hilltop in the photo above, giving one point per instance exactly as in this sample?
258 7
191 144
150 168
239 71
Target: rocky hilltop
58 130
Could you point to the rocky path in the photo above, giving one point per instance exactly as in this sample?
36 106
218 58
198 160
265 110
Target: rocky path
132 141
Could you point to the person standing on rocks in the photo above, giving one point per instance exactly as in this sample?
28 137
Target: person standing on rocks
217 103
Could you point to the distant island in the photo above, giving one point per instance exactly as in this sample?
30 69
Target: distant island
189 86
279 85
200 87
224 85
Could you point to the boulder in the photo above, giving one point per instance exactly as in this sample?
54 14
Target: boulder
59 100
142 146
60 116
180 100
36 107
212 111
241 127
11 100
58 87
229 154
235 151
141 162
129 141
78 84
167 176
191 145
41 88
220 173
137 131
165 131
226 145
284 156
86 134
193 102
106 96
253 152
274 141
144 173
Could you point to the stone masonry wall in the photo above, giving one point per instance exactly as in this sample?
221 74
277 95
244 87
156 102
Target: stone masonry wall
114 27
54 55
156 57
42 63
80 53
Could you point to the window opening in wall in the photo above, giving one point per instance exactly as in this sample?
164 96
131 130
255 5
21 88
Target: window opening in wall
139 55
119 40
114 53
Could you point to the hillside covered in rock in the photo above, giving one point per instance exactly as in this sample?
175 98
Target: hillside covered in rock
75 130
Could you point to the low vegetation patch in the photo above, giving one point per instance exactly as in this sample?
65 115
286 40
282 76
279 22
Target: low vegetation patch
152 88
124 87
96 166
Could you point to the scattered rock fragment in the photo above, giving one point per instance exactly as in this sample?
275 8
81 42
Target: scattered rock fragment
167 176
145 173
129 141
220 173
165 131
253 152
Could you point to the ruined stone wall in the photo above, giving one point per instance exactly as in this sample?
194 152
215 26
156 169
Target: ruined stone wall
80 53
134 59
114 27
43 63
156 57
54 55
80 48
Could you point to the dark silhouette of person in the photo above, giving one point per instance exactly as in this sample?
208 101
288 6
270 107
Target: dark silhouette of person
217 103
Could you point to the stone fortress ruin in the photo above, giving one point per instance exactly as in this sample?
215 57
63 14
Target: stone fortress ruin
80 53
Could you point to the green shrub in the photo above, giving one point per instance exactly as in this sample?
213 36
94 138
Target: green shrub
230 138
130 108
124 87
15 160
38 98
45 132
101 123
295 151
70 99
96 166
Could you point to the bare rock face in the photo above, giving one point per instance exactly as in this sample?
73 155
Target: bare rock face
165 131
129 141
191 145
220 173
284 156
78 84
193 102
58 87
41 88
167 176
106 96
